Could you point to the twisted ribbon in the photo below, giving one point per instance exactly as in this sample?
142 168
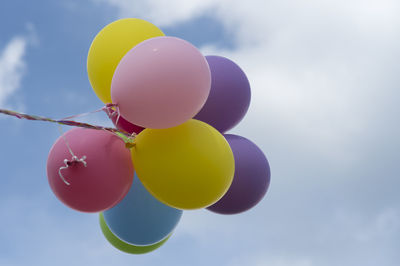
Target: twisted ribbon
125 136
66 120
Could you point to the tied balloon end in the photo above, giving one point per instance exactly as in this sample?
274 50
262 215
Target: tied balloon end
109 108
130 145
109 105
129 140
121 124
68 163
112 110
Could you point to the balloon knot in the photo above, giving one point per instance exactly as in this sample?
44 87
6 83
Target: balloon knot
130 145
68 163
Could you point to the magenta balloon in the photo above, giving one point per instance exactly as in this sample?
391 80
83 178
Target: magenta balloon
251 180
229 97
124 124
162 82
105 180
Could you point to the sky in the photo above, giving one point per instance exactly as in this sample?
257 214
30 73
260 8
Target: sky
325 104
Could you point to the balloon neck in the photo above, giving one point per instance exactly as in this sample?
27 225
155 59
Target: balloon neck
68 163
129 145
110 105
129 140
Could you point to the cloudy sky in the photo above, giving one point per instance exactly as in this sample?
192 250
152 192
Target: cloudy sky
325 107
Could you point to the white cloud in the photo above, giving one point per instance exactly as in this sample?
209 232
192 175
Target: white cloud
12 68
12 63
160 13
315 67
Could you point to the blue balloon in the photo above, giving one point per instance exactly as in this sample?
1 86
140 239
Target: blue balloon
140 219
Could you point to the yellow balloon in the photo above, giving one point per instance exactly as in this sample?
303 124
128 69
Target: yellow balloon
189 166
108 48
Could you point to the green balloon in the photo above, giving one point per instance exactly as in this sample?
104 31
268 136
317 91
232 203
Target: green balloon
123 246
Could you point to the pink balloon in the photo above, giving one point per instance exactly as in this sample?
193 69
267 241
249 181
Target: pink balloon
103 182
162 82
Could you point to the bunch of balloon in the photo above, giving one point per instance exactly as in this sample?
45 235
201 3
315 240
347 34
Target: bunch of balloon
172 106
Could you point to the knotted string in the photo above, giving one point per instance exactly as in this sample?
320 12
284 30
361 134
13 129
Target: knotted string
68 163
128 138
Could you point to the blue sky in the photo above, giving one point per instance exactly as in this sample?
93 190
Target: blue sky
325 87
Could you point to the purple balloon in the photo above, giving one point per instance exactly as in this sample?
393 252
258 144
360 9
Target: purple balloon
229 97
251 179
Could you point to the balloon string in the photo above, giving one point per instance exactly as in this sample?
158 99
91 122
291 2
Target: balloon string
74 158
88 113
66 141
110 111
119 115
128 138
66 121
